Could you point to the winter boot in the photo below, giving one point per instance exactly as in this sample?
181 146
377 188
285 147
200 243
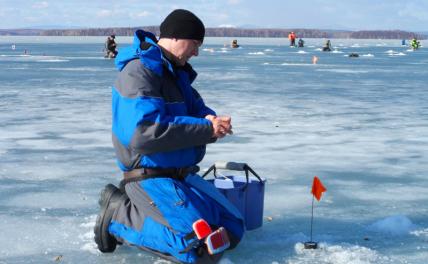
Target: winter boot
110 198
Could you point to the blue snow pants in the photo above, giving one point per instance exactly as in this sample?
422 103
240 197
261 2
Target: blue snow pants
160 213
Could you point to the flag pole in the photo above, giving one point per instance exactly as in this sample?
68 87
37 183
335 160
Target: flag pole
311 244
312 215
317 190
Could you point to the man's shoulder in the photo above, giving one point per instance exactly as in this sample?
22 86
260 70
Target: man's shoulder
136 69
137 80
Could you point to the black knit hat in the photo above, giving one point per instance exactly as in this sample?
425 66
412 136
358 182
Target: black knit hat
182 24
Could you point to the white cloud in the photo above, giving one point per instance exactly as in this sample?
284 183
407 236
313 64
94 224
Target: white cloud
40 5
140 14
104 13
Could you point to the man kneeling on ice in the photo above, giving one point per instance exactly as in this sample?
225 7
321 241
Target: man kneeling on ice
160 128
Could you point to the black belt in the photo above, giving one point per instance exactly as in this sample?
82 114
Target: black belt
153 173
149 173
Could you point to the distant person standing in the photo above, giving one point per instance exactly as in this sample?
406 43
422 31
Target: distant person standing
292 38
110 47
301 43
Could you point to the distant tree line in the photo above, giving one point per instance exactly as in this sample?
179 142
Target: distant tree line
392 34
227 32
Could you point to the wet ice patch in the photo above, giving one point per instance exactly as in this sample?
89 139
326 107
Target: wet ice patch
393 225
343 70
226 261
83 69
256 53
84 58
228 76
422 233
336 254
162 261
296 64
397 54
394 53
29 58
18 68
12 55
52 60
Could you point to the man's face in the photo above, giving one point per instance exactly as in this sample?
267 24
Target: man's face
184 49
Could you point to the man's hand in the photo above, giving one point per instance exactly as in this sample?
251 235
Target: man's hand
221 124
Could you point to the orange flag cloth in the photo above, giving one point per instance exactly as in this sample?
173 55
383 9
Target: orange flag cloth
317 188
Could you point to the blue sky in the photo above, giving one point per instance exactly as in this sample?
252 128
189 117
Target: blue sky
409 15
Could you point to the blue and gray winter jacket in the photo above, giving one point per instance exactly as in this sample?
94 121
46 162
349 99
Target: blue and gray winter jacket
158 118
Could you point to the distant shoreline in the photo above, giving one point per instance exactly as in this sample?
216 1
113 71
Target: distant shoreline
225 32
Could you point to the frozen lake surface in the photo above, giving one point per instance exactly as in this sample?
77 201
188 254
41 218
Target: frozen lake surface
359 124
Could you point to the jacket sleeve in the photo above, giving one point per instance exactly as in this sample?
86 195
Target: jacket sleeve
158 132
199 107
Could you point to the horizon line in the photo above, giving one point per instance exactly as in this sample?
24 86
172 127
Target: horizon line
243 28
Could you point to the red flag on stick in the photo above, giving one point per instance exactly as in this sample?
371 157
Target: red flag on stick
317 188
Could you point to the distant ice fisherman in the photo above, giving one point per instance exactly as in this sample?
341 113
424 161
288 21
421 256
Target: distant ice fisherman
110 47
415 44
234 44
327 46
